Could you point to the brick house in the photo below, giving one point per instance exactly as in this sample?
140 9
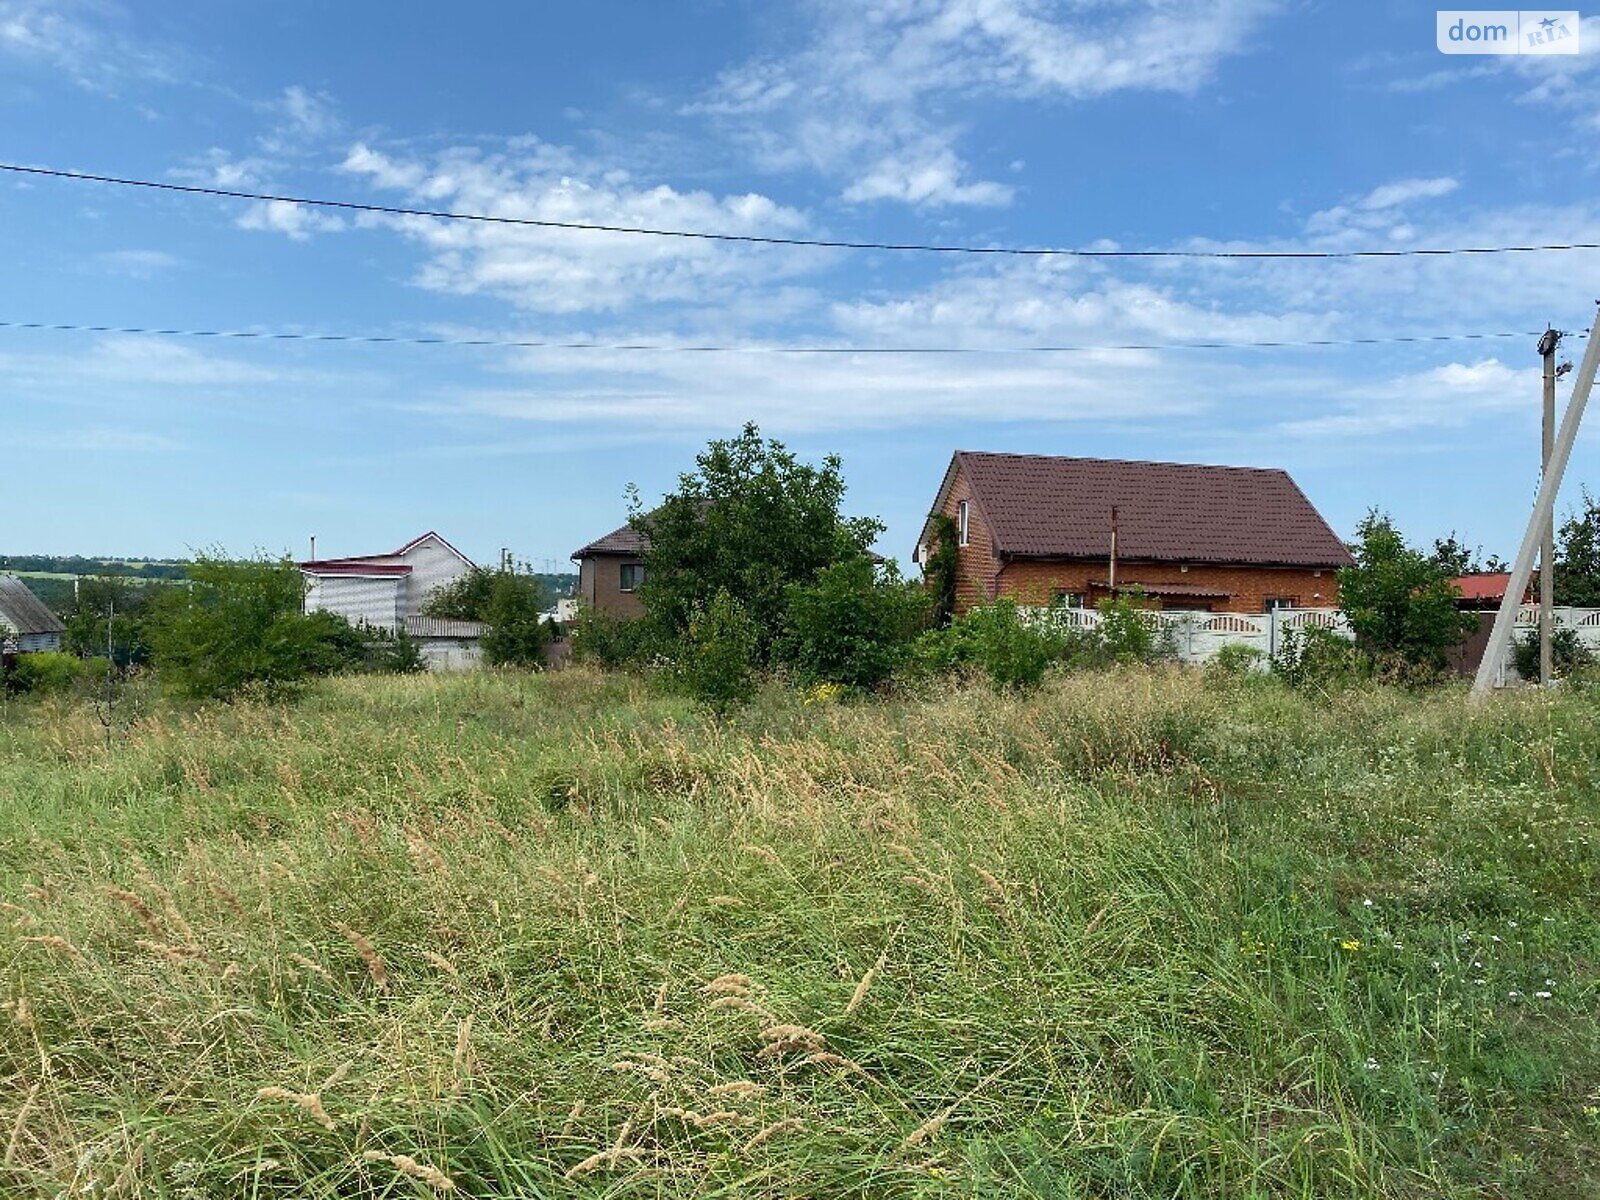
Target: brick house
610 570
1223 539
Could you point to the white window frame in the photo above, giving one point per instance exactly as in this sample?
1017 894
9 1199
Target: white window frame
963 522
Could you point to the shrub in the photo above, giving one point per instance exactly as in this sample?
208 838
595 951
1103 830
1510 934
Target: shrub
44 671
1234 661
1125 632
1314 656
853 625
1568 654
1399 600
716 661
516 632
611 641
1011 651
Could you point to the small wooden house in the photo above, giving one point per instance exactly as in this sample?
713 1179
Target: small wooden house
26 625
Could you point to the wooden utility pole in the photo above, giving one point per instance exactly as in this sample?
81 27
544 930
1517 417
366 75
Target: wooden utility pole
1543 512
1547 550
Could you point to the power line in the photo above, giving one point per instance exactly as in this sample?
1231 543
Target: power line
758 239
706 348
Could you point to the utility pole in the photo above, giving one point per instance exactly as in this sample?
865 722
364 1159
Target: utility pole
1112 580
1543 512
1547 549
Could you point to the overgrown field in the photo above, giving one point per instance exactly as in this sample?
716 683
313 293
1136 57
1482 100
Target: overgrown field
1133 935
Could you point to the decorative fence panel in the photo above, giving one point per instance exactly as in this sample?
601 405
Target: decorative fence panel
1197 636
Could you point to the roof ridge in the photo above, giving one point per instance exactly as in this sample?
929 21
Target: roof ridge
1131 462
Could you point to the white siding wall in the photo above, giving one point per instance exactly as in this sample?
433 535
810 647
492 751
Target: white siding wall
432 564
450 654
357 598
33 643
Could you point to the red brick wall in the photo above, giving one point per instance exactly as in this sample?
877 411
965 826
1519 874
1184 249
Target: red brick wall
1247 587
979 570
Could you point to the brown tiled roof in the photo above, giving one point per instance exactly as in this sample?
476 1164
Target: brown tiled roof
626 540
23 612
1037 506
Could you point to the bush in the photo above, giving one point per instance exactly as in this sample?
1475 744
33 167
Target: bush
610 641
45 671
1126 632
996 640
1314 656
853 625
516 632
1400 602
716 661
1568 654
1234 661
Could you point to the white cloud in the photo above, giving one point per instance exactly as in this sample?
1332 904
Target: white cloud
860 101
296 221
82 40
1403 191
932 177
301 117
137 264
1449 396
571 271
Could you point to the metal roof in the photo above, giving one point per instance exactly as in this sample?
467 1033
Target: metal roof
23 612
1044 507
441 627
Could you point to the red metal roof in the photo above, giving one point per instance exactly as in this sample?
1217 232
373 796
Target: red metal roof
353 566
1039 506
1485 585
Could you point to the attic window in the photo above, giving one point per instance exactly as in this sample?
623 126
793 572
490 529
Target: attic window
961 523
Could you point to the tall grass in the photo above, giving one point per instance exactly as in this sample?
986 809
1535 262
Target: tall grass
1136 935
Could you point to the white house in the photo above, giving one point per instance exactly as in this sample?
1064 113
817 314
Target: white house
26 625
388 591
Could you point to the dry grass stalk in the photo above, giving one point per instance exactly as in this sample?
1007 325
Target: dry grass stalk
406 1165
740 1004
739 1089
764 852
311 965
661 1025
19 1010
423 854
369 955
798 1034
23 916
308 1102
21 1122
443 963
725 902
573 1114
661 999
926 882
57 943
726 985
827 1058
605 1158
928 1128
775 1130
227 896
176 955
1094 921
865 983
463 1060
135 904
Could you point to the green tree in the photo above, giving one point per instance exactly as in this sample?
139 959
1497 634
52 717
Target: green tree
1577 578
853 624
238 625
942 571
1400 601
515 632
127 602
716 663
464 598
750 521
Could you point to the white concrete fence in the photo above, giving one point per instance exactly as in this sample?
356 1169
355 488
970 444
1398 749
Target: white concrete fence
1197 636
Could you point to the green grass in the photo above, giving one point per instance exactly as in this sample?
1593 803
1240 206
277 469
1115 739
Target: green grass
1136 935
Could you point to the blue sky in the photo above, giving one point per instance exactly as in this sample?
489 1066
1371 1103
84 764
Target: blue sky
1264 124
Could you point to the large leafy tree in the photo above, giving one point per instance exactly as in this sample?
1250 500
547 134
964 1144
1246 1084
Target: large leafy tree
1578 556
1399 600
750 521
